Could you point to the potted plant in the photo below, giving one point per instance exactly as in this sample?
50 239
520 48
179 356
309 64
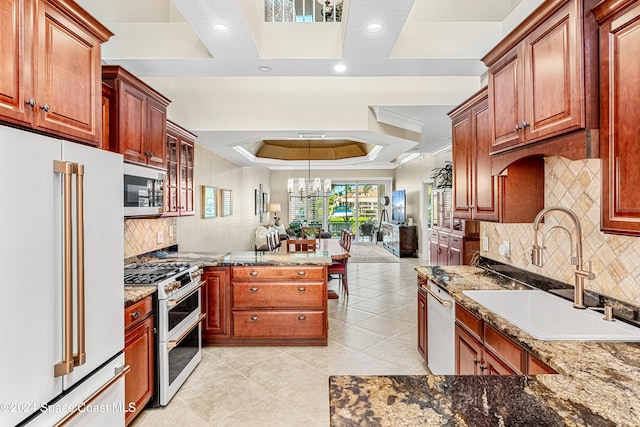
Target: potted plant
443 176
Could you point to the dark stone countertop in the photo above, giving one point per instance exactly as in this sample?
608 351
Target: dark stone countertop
598 383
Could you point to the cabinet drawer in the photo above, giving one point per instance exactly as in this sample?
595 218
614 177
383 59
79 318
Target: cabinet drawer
278 295
508 351
137 311
278 324
455 242
278 273
469 321
443 238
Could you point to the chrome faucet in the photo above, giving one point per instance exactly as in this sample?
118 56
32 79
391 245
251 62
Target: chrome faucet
537 250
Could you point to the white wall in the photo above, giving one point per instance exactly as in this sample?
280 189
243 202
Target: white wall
232 233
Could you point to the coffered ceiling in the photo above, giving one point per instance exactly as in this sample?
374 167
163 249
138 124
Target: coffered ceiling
276 81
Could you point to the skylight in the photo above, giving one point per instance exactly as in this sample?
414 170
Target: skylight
303 10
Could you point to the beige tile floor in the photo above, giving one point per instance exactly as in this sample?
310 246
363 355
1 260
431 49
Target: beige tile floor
373 333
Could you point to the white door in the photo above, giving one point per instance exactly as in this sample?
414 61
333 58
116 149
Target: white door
30 278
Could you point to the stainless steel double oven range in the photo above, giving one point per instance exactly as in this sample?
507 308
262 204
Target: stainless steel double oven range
178 316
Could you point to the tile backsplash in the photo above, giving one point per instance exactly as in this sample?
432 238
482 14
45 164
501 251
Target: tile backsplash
141 235
575 185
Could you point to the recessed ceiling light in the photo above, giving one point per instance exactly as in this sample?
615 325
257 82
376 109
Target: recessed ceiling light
220 28
340 68
374 28
264 68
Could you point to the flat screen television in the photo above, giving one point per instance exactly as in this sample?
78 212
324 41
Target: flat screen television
398 202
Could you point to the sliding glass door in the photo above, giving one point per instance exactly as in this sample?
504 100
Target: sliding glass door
357 207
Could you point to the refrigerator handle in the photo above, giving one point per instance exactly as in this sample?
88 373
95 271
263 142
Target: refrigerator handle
66 365
78 409
78 169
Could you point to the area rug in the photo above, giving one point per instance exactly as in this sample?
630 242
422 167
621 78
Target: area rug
370 252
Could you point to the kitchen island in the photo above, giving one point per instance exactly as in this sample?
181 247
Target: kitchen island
597 382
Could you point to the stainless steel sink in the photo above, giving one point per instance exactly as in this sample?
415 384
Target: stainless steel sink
548 317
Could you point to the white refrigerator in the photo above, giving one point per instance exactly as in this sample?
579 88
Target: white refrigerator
61 221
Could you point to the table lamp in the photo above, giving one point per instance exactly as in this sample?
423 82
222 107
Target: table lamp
276 209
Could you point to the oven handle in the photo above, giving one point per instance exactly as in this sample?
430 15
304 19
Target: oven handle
174 302
442 302
175 343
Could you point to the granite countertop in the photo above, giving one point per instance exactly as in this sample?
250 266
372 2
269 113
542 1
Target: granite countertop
134 294
211 259
598 383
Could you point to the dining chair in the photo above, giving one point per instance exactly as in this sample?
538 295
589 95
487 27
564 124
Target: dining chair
271 241
348 237
301 245
339 268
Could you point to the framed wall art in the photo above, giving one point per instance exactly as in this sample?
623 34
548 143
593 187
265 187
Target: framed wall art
209 202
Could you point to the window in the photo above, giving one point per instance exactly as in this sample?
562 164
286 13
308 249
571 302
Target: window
303 10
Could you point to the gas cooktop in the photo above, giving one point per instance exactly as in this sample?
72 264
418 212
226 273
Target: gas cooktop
152 272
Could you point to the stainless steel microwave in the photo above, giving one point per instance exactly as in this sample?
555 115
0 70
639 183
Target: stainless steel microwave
143 190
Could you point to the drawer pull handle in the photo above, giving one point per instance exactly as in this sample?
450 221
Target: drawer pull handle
253 273
302 317
301 273
302 289
253 290
253 319
136 314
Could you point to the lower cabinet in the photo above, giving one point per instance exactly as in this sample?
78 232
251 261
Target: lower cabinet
265 305
216 302
452 248
139 355
423 335
482 350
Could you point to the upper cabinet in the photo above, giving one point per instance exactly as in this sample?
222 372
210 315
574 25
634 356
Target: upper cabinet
543 79
475 190
180 160
138 128
620 113
515 195
50 78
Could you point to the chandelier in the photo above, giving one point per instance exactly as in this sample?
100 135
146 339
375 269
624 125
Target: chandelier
308 188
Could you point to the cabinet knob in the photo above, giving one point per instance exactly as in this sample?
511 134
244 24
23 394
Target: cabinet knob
524 124
302 289
253 273
301 273
45 108
254 290
31 102
136 314
302 317
517 127
475 361
253 318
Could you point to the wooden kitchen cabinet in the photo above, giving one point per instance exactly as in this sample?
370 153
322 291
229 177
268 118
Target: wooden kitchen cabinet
620 113
265 305
475 189
139 349
516 195
542 76
482 350
139 129
179 187
50 79
216 303
422 320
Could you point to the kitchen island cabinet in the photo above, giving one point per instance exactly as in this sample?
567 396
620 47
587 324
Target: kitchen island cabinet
138 129
139 351
51 80
620 112
216 303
